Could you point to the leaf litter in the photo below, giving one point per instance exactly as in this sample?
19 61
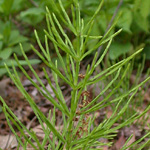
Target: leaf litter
23 111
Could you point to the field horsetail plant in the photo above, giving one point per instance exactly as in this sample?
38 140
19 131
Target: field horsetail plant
79 130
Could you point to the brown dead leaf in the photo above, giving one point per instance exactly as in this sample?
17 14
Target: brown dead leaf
40 133
8 141
3 85
105 148
132 78
131 140
121 141
147 95
109 112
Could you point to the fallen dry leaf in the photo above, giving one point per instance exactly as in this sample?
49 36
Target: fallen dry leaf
121 141
40 133
8 141
131 140
3 85
147 95
105 148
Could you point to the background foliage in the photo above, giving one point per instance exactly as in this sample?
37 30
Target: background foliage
20 17
18 24
134 20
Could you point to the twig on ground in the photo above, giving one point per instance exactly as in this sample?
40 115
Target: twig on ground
6 146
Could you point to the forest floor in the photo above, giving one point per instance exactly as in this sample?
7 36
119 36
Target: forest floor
23 111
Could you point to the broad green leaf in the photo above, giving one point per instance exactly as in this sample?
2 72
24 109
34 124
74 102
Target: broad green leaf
2 71
18 5
117 49
142 6
97 29
6 31
26 47
16 38
136 4
32 16
102 22
59 63
2 26
88 3
1 36
1 2
1 44
5 53
141 22
88 7
145 8
6 6
125 20
146 51
141 13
